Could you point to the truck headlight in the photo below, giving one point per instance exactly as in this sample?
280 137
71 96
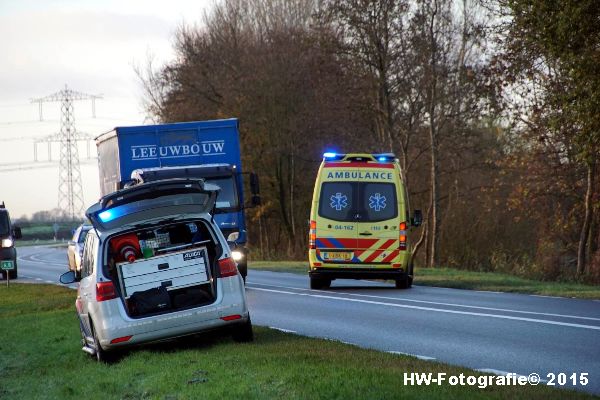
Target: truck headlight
7 242
233 236
237 255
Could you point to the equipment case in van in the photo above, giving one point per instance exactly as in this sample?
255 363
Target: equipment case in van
173 271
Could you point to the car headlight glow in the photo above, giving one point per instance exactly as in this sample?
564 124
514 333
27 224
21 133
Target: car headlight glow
7 242
237 255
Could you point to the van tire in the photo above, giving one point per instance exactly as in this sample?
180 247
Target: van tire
102 356
243 333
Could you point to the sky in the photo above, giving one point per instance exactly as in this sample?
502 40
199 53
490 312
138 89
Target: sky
93 47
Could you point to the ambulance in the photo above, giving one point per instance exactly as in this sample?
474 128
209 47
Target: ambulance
359 221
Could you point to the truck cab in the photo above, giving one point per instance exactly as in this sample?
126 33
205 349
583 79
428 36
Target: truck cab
8 252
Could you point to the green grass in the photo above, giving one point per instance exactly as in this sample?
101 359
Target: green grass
495 281
41 359
462 279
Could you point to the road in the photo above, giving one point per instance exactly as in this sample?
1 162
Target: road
491 332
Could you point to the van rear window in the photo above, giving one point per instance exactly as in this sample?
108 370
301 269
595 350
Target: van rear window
358 201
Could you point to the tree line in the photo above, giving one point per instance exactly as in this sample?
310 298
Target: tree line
490 106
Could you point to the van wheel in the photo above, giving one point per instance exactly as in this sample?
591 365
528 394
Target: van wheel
102 356
13 273
243 333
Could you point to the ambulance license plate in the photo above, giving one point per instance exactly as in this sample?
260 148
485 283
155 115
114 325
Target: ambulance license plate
337 255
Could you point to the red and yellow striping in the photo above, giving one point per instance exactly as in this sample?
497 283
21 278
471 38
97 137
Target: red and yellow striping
372 251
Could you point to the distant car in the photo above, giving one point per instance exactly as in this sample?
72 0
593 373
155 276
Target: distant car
8 252
75 248
156 266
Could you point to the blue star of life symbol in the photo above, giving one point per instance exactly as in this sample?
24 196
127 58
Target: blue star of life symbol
377 202
339 201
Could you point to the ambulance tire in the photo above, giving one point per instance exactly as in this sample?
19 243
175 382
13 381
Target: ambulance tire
403 283
319 283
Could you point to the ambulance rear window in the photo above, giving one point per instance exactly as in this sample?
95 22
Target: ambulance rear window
378 202
337 201
358 201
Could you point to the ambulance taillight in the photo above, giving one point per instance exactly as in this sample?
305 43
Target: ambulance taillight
402 237
312 235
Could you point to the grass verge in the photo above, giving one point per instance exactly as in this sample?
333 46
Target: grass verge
41 359
462 279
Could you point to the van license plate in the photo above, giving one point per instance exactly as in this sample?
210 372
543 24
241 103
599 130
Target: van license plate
337 255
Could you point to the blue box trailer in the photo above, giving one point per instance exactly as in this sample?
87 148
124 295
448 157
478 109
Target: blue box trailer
201 149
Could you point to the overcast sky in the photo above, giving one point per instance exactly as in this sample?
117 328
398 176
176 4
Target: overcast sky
91 46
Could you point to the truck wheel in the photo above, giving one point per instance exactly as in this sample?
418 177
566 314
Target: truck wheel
243 333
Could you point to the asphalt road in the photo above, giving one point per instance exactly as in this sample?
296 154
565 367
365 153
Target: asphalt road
492 332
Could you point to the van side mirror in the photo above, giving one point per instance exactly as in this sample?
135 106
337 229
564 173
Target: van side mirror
68 277
254 185
417 218
17 232
256 200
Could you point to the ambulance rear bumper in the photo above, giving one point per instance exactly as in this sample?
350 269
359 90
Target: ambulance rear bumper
357 273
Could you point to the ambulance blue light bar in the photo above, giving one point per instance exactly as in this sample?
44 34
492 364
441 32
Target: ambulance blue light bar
385 157
330 155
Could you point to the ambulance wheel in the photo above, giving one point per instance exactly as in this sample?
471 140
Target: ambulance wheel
403 283
319 283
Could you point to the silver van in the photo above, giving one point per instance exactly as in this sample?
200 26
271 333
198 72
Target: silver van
155 266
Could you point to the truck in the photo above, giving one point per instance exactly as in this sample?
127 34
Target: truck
209 150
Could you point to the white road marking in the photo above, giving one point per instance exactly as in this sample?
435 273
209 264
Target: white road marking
548 297
33 259
425 358
441 304
477 314
282 329
489 291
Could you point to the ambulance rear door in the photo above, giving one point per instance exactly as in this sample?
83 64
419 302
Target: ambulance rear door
378 216
336 220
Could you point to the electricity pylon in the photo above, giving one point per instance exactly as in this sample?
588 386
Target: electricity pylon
70 191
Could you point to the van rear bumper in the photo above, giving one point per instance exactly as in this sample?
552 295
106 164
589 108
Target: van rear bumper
358 273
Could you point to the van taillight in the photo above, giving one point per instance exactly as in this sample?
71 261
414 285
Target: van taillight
105 291
227 267
402 237
312 235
